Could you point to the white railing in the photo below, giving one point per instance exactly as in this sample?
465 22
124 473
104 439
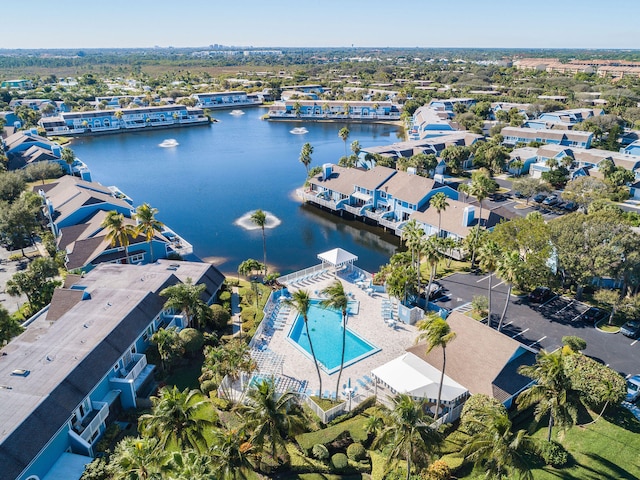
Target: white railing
328 415
98 420
301 273
448 417
137 368
313 197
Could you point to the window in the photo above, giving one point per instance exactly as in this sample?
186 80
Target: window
138 257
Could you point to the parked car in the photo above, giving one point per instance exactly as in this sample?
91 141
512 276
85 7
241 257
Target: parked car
594 315
570 206
436 291
498 197
519 194
539 197
540 294
631 329
633 389
550 201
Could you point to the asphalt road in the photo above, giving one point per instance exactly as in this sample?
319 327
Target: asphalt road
542 326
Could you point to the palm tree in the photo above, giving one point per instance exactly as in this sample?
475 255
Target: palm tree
138 458
429 247
169 346
344 135
504 454
488 256
186 298
508 267
481 187
231 454
552 392
407 433
337 299
267 417
69 157
301 301
178 419
118 230
192 465
412 234
466 189
439 202
260 219
147 224
437 333
305 156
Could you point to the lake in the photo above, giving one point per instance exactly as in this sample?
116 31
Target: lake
220 172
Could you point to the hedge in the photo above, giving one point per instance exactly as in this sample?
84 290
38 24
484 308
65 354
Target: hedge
355 426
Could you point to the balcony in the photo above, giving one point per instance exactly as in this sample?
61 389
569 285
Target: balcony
177 243
317 198
133 369
91 423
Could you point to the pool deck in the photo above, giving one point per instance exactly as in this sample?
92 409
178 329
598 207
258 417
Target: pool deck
368 323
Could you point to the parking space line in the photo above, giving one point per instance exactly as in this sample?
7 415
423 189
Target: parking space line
634 342
483 279
497 285
565 307
550 300
507 324
518 334
538 341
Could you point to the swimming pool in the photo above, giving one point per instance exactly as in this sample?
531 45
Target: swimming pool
325 328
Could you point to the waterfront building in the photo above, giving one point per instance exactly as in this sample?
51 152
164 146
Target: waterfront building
75 210
216 100
81 361
385 196
26 148
97 122
571 138
334 110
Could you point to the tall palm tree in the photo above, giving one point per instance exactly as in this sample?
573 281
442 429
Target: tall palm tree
267 417
344 135
301 301
439 202
508 268
407 432
231 454
147 224
186 298
503 454
337 298
552 392
178 418
118 230
481 187
260 219
69 157
138 458
437 333
488 256
305 156
412 234
192 465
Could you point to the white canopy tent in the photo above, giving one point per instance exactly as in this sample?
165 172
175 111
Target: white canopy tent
413 376
337 257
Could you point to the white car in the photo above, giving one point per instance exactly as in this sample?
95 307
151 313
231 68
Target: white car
633 389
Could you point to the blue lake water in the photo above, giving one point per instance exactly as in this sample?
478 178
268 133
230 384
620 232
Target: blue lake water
325 330
220 172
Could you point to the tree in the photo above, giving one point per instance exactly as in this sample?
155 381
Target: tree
344 135
406 433
305 156
481 187
192 465
230 360
19 219
494 446
9 326
260 219
147 224
169 345
178 418
355 148
267 417
552 393
557 177
430 248
337 298
585 190
454 157
610 298
119 231
69 157
508 269
138 458
187 298
439 202
36 283
12 185
248 266
437 333
231 455
301 302
528 187
40 171
488 255
412 234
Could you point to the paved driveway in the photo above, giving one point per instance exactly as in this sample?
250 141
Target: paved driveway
543 326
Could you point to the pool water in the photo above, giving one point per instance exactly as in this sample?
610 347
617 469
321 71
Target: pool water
325 329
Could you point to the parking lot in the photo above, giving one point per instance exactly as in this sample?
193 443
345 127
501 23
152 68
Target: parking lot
542 326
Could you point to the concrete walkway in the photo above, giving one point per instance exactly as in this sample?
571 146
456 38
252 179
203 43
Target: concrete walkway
235 311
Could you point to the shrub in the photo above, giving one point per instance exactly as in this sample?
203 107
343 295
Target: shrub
192 340
339 461
480 305
225 296
320 452
248 314
554 454
576 344
356 452
439 470
220 317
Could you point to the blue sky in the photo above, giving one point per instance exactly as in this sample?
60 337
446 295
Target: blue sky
331 23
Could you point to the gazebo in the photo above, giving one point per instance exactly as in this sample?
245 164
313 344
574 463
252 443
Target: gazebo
337 258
